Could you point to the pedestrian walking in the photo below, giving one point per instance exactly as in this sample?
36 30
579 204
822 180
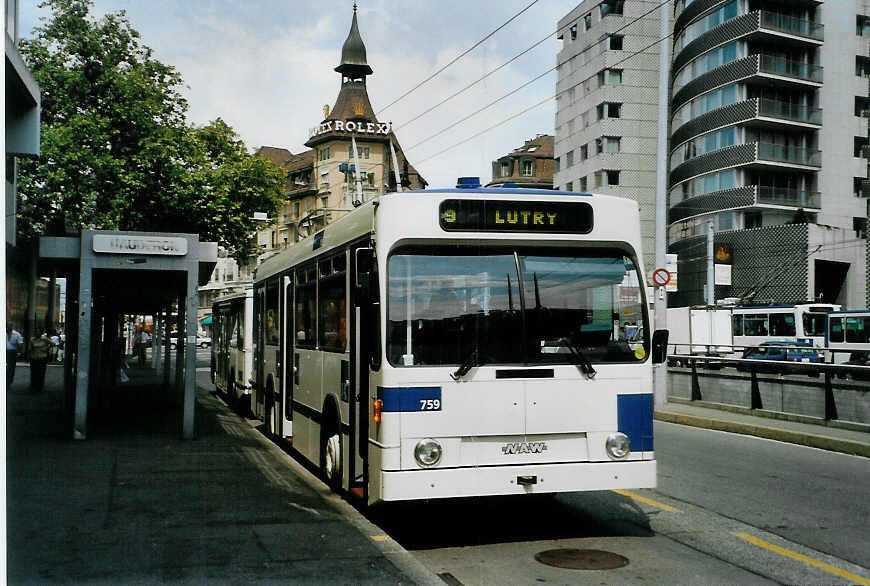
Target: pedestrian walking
14 339
141 343
40 348
55 347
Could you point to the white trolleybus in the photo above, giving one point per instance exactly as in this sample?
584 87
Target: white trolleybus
463 342
754 324
232 355
848 336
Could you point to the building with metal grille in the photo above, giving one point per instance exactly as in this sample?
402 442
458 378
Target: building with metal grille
768 128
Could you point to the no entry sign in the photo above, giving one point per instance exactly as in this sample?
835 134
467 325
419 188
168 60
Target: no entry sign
661 277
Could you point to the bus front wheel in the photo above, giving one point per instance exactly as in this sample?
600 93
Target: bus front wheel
330 458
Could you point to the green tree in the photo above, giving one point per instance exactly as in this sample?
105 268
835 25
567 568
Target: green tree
117 152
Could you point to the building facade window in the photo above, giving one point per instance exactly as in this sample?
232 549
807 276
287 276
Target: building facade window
325 154
609 77
584 152
573 32
583 183
569 159
527 168
505 169
615 42
606 178
587 21
569 186
607 144
611 7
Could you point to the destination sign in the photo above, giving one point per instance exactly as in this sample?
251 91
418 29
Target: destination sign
135 244
550 217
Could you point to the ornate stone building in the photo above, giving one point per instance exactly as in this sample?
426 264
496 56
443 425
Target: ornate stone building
530 165
321 182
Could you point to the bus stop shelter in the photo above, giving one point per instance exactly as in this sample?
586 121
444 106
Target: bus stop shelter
112 274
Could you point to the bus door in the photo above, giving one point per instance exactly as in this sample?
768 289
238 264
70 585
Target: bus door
290 363
362 332
258 403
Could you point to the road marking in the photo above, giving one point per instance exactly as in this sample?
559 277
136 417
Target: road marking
802 558
380 537
646 500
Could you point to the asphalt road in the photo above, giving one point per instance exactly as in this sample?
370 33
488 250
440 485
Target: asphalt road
728 509
813 497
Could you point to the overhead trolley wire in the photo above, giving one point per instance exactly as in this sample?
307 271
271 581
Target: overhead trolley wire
545 100
518 55
458 57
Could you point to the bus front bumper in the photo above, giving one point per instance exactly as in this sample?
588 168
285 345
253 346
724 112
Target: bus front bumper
522 479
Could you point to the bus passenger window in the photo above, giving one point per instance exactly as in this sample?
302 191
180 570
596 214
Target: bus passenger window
782 324
272 313
304 312
332 316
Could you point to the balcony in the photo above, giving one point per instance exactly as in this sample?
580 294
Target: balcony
788 68
789 111
764 26
759 155
791 155
758 69
747 196
792 26
783 196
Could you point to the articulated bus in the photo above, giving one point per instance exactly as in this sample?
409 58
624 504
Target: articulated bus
232 355
754 324
463 342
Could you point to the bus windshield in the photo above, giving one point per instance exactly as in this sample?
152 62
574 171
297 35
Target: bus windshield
514 306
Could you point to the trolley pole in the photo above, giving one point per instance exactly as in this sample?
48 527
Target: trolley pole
660 371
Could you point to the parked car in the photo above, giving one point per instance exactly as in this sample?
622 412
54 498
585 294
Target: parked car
202 340
782 351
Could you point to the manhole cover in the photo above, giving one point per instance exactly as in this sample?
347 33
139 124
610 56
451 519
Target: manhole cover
581 559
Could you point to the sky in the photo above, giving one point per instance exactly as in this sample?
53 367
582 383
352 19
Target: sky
266 68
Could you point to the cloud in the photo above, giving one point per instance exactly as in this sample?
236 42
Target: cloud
266 68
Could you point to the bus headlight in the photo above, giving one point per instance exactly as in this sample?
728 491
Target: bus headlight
617 445
428 452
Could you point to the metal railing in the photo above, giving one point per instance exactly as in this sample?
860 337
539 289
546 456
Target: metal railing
789 197
789 68
789 154
792 26
789 111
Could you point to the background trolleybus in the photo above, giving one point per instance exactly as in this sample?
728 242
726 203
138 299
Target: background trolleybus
231 355
463 342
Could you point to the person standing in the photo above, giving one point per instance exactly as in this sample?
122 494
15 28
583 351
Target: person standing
40 348
14 339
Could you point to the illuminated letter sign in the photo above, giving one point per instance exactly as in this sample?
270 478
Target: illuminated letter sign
563 217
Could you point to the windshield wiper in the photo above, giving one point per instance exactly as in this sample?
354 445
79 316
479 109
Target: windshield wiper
470 362
579 358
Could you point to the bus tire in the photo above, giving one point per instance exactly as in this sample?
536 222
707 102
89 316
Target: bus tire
330 453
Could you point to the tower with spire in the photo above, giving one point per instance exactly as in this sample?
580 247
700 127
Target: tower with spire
353 116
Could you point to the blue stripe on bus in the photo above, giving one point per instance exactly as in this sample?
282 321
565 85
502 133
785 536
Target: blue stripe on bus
410 399
634 416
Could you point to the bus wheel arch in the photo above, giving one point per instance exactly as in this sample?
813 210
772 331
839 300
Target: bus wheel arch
331 444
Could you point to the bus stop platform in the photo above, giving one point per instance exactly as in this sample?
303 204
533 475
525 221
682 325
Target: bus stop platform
136 504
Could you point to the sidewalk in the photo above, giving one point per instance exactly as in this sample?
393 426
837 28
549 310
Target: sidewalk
808 431
135 504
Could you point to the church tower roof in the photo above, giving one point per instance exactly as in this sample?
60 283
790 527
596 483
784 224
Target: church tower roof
353 54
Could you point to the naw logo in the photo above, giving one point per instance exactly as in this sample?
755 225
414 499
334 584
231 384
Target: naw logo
524 448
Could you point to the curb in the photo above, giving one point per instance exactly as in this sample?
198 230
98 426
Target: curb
401 558
794 437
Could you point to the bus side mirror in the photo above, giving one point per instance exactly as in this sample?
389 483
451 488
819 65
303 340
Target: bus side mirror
659 346
365 263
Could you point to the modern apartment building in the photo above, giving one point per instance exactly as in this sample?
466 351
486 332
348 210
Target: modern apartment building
530 165
607 104
768 127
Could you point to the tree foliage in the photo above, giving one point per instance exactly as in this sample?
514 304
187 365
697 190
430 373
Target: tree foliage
117 152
